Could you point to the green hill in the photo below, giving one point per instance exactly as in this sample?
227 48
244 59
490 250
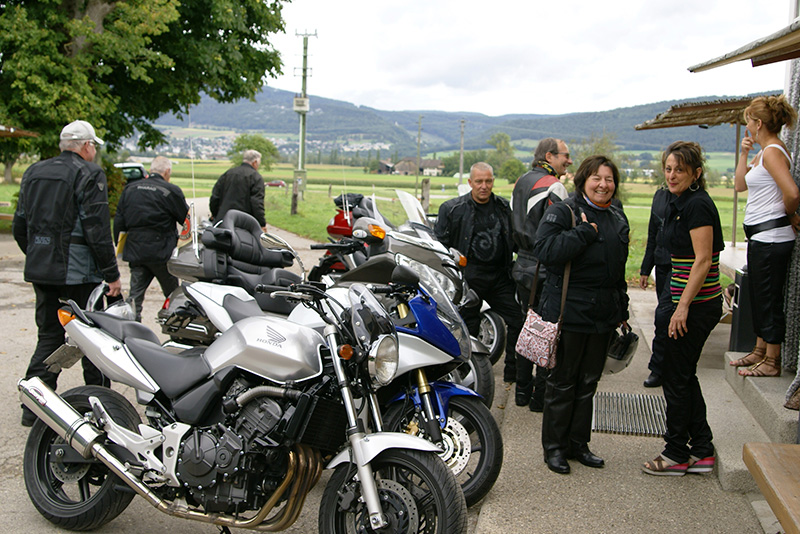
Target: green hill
336 121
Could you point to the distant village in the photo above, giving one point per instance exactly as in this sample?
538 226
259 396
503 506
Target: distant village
211 148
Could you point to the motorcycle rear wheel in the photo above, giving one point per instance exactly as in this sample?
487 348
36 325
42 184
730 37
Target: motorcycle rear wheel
76 496
493 334
418 494
473 444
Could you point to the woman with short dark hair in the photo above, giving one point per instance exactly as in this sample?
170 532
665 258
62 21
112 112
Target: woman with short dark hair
769 223
693 237
595 241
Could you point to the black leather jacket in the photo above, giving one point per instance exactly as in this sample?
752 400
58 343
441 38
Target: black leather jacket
62 222
240 188
148 211
656 253
597 298
454 224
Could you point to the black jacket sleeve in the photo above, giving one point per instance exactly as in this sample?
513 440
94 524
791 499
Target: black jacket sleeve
556 241
257 198
96 223
442 227
649 261
19 226
216 197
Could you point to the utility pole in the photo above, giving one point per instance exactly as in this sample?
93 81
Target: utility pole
301 106
419 162
461 157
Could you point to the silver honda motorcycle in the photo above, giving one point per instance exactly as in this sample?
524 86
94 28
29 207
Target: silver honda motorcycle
238 432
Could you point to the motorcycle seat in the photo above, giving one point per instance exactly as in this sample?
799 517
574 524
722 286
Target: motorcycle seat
121 329
239 235
175 373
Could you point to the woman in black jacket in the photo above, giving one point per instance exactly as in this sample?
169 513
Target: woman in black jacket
596 303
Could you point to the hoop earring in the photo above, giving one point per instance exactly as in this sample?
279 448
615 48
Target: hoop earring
694 187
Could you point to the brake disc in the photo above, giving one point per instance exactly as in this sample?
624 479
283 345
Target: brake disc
398 506
457 446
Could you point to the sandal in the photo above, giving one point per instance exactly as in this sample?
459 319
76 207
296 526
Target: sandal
701 465
755 356
664 466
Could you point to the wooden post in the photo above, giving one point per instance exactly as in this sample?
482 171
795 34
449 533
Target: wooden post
293 210
426 194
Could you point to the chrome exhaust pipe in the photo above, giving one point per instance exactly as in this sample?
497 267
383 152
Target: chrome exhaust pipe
58 415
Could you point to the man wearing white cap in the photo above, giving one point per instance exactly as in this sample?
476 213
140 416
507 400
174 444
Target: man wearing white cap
62 224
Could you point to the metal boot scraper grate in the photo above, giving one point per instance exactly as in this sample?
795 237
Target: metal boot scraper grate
626 413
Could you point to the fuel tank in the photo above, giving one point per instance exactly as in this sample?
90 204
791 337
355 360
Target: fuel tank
270 347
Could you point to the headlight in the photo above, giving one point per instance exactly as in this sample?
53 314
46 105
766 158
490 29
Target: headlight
383 358
447 285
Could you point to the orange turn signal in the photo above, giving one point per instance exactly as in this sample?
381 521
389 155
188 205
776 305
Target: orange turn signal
462 260
346 352
377 231
65 316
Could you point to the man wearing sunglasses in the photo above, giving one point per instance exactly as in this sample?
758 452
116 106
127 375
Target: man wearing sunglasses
534 192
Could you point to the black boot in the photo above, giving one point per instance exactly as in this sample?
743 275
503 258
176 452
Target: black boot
523 393
582 453
556 462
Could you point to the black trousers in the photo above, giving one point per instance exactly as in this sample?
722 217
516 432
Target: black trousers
142 275
688 432
569 397
51 334
767 264
499 291
663 273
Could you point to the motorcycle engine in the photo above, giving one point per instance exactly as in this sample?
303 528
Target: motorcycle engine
218 465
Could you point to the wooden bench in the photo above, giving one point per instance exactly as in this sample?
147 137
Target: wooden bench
776 469
6 216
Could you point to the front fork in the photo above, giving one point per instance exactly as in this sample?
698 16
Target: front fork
430 419
355 433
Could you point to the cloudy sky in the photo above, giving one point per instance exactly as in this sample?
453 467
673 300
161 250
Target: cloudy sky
524 56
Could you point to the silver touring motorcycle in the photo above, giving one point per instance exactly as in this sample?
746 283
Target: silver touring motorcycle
238 432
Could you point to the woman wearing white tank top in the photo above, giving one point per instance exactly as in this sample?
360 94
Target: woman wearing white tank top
770 223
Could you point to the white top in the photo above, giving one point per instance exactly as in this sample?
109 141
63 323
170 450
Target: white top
765 201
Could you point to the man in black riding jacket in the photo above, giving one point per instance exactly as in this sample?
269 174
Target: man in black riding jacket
479 226
534 192
63 226
240 188
149 211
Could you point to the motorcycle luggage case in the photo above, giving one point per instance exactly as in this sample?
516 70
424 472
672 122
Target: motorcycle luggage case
185 265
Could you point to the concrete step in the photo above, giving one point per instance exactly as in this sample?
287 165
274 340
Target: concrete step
733 426
764 398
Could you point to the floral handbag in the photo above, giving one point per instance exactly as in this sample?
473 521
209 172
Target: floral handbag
538 339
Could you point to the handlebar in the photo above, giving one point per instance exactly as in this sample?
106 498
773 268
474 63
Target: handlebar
339 245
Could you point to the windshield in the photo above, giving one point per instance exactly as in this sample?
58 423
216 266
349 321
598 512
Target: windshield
448 314
370 319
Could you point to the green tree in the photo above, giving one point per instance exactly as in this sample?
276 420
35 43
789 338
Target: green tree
511 170
269 154
122 64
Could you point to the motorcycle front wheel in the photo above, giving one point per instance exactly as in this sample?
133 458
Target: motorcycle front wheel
81 495
492 333
473 445
418 494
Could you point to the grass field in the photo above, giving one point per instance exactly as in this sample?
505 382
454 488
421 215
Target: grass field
326 182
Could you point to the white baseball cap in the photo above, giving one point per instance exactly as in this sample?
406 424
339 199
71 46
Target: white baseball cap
80 130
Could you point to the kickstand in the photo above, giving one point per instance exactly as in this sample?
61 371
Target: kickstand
224 530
